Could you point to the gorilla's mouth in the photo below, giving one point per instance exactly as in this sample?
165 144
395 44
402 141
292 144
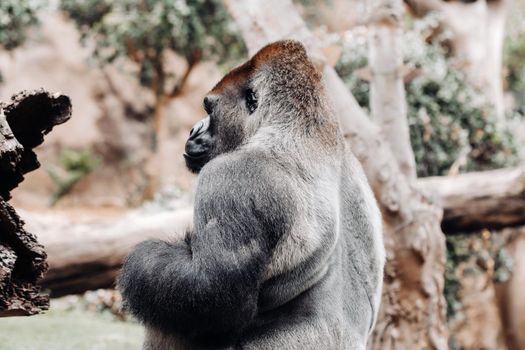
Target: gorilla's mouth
195 161
198 145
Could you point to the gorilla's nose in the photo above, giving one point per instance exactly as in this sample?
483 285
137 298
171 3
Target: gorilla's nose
200 128
195 130
200 139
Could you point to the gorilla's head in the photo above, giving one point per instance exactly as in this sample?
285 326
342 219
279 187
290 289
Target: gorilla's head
278 86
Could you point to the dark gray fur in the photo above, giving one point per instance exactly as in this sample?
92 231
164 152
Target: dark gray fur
286 250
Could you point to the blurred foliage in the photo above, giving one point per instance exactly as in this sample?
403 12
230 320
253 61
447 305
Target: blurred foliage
167 198
451 124
514 23
105 301
74 165
310 11
144 30
473 254
15 17
514 58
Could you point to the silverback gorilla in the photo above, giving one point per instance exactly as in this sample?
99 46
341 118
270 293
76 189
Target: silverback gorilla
286 251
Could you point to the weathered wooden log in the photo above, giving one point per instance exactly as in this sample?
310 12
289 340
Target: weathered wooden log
88 255
23 123
488 199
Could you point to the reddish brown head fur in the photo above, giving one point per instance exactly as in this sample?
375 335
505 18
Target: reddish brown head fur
285 52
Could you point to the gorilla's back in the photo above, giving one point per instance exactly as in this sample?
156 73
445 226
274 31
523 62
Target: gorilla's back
363 261
326 298
324 279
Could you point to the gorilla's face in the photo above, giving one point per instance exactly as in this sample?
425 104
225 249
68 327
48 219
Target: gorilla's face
279 87
230 106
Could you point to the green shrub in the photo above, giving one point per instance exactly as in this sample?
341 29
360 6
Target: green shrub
514 58
15 17
73 166
143 30
449 120
473 254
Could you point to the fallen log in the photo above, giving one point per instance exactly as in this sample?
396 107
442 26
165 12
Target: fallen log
23 123
489 199
88 255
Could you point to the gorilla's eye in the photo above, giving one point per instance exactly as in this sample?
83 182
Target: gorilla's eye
251 100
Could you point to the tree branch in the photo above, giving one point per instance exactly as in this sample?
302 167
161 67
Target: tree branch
489 199
387 90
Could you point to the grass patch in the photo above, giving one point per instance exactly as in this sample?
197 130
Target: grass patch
64 329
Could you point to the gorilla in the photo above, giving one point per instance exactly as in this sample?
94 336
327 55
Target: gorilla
286 251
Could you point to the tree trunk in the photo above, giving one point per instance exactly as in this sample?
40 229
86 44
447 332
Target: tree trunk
23 124
387 90
489 199
412 315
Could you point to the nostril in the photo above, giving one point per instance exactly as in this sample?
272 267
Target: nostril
195 130
199 129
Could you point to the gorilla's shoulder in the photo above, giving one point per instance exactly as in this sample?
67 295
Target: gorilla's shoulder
240 168
243 175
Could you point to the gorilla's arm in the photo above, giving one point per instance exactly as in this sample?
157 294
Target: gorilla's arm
207 285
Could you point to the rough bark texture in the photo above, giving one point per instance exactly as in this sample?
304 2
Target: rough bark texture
412 315
387 90
88 255
478 30
23 124
489 199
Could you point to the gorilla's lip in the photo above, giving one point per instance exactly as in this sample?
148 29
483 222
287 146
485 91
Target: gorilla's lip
195 156
195 162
